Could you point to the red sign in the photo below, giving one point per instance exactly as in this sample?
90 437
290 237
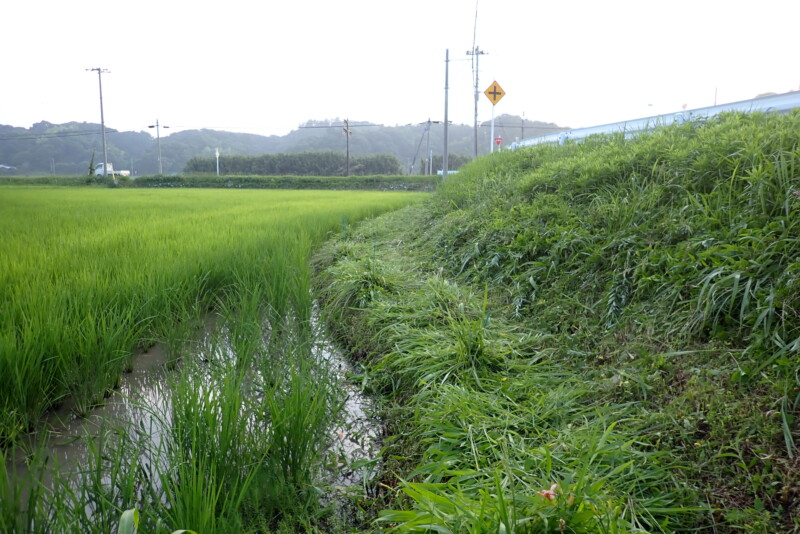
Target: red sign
498 140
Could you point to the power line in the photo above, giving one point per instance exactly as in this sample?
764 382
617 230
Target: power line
50 135
79 133
552 128
475 52
338 125
55 135
345 126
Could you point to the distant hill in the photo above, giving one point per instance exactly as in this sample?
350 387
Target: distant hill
67 149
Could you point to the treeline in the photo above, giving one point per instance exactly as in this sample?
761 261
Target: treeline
303 164
383 182
66 149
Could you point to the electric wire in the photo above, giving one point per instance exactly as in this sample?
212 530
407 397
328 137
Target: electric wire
53 135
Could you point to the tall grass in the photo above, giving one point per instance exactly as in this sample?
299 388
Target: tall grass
633 366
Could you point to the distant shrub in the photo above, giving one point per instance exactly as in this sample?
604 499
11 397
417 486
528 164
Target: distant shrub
380 183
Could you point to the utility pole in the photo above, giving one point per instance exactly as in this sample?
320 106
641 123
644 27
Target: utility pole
158 141
476 53
347 133
446 88
428 154
100 72
428 148
429 168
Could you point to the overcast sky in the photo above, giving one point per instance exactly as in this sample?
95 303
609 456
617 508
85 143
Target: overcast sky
267 66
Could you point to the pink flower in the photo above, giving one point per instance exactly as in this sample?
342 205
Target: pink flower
550 494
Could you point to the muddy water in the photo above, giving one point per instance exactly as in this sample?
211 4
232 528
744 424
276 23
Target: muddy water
144 392
141 393
356 436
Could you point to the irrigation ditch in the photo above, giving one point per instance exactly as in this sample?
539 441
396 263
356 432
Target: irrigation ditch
134 427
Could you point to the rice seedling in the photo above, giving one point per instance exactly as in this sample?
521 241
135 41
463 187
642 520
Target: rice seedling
22 502
243 425
91 274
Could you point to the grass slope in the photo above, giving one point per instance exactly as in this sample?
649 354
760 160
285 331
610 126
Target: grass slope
595 337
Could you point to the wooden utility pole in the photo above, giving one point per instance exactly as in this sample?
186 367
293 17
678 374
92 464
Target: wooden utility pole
476 53
347 133
100 72
446 87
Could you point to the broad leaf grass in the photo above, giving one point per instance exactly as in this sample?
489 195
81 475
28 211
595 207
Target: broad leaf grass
615 322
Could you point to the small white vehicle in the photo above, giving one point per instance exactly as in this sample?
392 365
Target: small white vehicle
99 170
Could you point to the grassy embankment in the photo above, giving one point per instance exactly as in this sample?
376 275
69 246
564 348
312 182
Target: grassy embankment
596 337
88 276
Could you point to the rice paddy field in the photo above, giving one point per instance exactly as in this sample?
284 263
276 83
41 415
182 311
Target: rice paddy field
599 337
89 277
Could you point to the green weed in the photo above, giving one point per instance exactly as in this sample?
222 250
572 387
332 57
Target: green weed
633 366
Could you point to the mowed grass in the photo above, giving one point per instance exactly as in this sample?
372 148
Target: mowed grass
88 276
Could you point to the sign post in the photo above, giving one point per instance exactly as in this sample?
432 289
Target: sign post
494 93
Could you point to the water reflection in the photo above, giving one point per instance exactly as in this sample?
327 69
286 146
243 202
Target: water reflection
141 409
356 436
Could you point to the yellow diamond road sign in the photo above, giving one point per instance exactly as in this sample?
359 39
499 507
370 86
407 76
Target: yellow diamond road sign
494 93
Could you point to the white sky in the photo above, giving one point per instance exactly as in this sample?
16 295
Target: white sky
267 66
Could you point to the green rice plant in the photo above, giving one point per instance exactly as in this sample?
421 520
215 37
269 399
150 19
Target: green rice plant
248 445
23 505
229 449
296 414
22 405
107 481
196 495
181 308
209 416
129 523
241 437
89 275
245 323
287 284
101 353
